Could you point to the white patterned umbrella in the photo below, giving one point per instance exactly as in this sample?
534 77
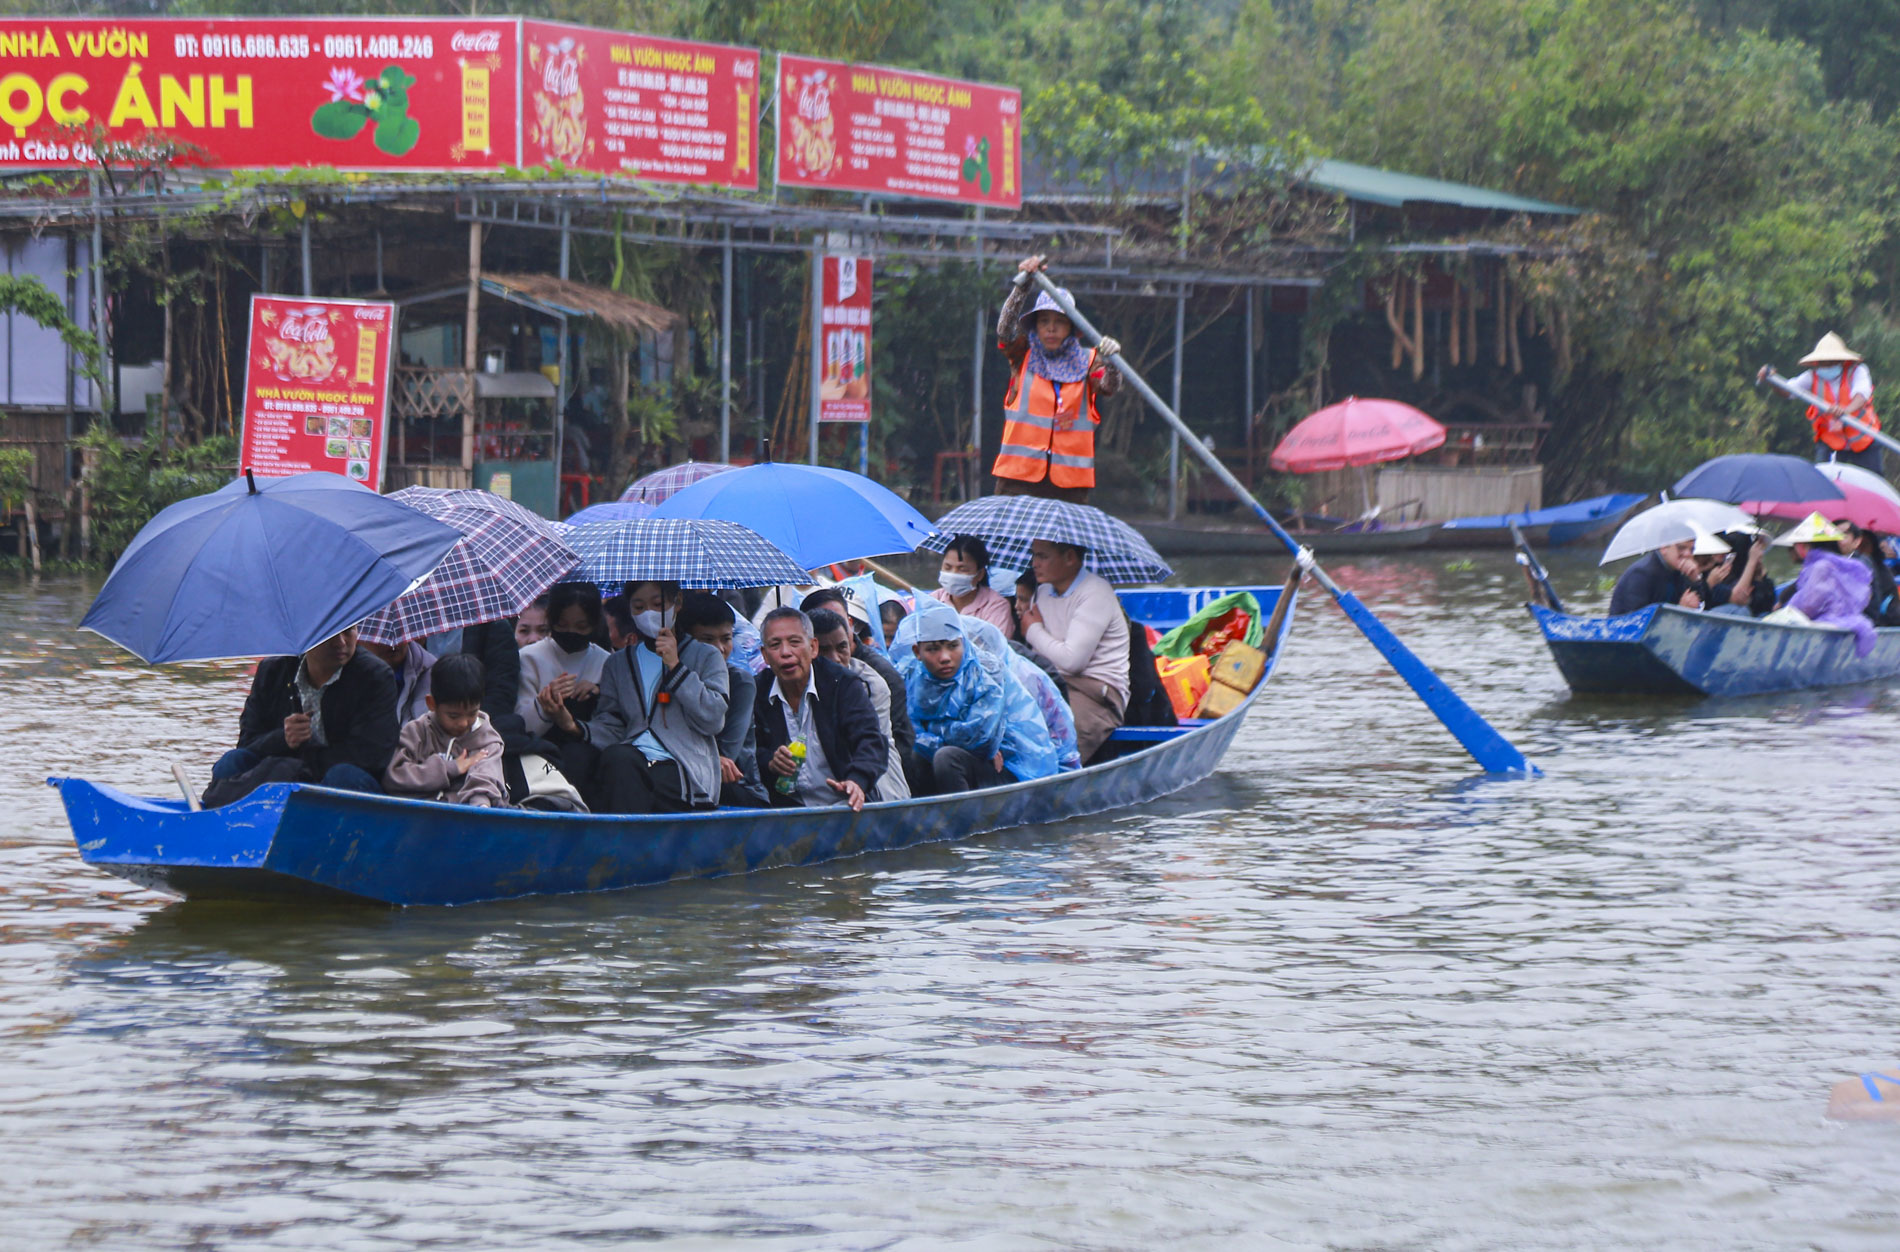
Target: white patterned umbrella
1009 524
507 556
693 552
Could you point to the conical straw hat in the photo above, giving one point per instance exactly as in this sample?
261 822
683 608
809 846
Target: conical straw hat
1813 529
1707 544
1831 348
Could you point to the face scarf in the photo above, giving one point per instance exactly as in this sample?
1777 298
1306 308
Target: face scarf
1069 363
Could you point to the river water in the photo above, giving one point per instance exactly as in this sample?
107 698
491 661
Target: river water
1345 994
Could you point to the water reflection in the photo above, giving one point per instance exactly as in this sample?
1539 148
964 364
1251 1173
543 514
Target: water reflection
1345 994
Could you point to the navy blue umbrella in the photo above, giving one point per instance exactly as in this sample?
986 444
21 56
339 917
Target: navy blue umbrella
1765 476
264 570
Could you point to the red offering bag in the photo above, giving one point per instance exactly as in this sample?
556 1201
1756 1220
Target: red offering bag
1222 631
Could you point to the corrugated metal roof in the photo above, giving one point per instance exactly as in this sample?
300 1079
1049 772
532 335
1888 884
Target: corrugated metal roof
1377 186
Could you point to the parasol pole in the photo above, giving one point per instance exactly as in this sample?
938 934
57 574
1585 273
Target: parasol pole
1789 389
1491 750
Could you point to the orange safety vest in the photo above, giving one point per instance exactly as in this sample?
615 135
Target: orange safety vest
1836 434
1042 436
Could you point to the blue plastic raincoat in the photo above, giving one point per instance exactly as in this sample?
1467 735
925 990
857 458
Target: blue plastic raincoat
982 708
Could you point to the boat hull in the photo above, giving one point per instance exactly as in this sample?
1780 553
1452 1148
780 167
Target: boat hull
292 840
1664 650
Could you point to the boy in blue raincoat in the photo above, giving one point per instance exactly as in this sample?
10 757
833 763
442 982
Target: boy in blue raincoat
975 728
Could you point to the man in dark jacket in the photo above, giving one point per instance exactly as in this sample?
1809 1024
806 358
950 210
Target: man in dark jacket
333 710
822 705
1662 577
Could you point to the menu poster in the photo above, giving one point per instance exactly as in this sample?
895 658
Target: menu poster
864 128
316 387
844 390
663 110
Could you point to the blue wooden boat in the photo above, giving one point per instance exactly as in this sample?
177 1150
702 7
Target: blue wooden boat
1666 650
1542 528
292 840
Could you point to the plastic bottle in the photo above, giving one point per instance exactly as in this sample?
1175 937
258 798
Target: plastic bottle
788 783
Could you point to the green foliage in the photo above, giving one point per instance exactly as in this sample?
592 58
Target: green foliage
23 293
16 476
131 483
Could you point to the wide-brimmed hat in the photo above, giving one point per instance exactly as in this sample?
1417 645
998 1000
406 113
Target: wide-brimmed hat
1813 529
1708 543
1831 348
1046 301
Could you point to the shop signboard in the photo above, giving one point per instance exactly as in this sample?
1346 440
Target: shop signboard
244 93
663 110
316 387
867 129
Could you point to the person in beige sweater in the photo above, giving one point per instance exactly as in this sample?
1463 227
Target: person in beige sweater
451 753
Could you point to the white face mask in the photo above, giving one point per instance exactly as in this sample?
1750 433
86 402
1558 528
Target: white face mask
1829 372
956 584
651 622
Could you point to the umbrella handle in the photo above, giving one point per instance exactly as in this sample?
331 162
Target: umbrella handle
1491 750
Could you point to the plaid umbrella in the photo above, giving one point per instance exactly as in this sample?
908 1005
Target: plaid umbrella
1008 524
691 551
507 556
660 484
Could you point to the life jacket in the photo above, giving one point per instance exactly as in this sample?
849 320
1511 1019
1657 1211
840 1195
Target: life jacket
1828 430
1042 437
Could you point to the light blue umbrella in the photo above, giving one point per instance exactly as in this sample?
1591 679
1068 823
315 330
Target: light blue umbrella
264 570
693 552
815 514
611 511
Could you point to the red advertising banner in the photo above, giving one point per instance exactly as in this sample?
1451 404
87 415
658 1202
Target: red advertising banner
355 93
316 387
844 391
657 109
864 128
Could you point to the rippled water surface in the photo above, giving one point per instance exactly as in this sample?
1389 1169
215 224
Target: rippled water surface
1345 994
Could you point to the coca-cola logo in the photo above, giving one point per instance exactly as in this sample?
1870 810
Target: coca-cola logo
310 328
561 76
814 100
476 41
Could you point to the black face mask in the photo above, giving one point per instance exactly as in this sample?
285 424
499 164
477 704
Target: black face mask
569 641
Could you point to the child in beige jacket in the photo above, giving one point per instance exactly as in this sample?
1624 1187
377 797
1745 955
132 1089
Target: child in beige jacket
451 753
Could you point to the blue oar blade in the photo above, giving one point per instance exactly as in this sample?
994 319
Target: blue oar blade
1492 751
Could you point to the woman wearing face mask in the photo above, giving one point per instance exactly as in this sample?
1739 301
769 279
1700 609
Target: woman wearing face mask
964 584
563 670
1047 446
1838 376
663 705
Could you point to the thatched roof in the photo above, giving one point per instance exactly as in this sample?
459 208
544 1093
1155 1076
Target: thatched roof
564 296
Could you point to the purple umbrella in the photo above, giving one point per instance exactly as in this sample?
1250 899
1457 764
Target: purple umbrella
660 484
611 511
507 556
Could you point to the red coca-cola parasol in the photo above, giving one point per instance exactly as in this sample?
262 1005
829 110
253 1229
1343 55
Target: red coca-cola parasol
1356 432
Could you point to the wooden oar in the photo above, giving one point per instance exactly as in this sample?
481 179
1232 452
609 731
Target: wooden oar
898 579
1808 397
1487 747
1280 608
1534 572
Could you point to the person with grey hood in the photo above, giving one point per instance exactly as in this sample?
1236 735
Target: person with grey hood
662 706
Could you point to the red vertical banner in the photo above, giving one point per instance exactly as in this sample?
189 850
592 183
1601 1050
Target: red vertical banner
844 392
316 387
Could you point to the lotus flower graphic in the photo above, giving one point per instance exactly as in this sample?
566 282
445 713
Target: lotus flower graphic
344 84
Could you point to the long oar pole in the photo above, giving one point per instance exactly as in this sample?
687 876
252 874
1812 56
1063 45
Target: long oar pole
1487 747
1534 571
1787 388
